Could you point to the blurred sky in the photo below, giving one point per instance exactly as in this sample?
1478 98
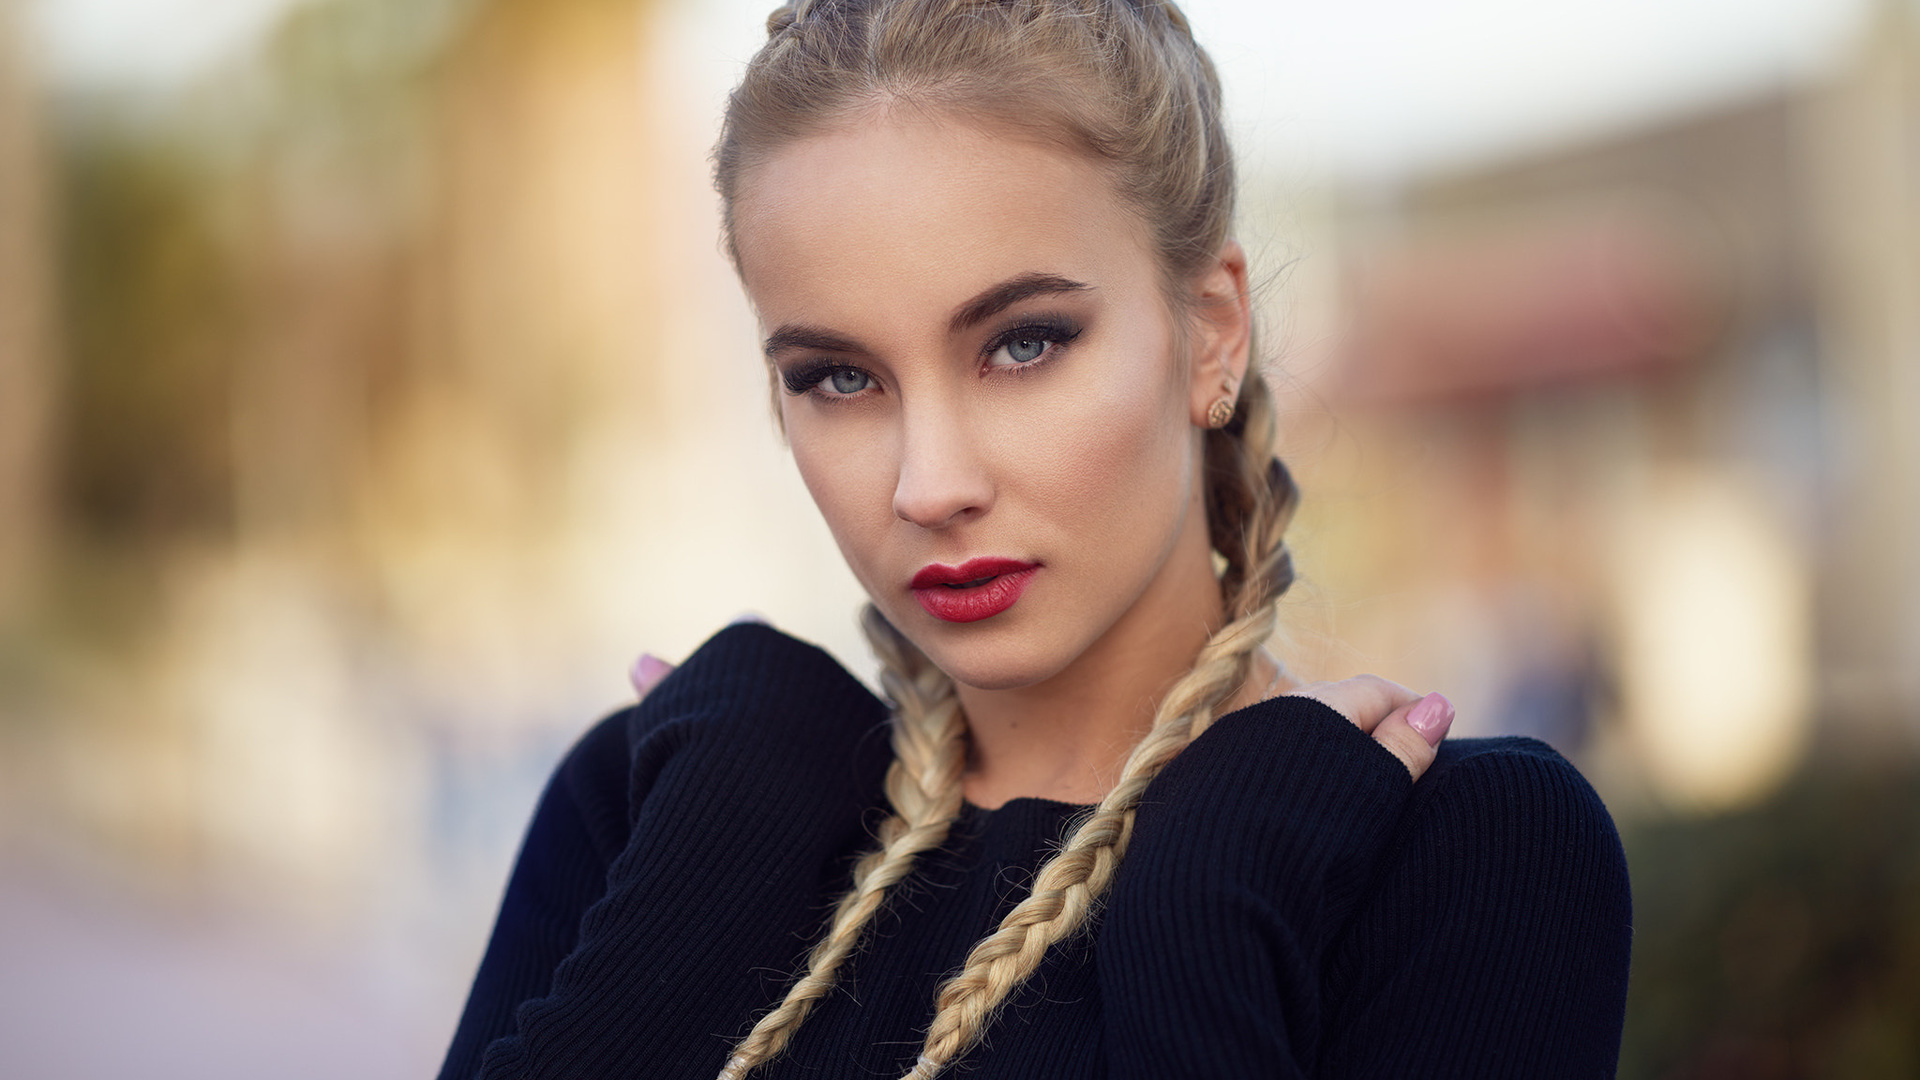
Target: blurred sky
1357 89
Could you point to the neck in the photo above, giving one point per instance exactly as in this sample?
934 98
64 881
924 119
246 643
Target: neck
1068 737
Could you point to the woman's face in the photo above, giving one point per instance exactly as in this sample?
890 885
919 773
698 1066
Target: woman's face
984 390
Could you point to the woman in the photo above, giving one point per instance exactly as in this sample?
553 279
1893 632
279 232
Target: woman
988 244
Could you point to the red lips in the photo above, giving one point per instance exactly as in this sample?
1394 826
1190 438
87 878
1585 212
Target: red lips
976 589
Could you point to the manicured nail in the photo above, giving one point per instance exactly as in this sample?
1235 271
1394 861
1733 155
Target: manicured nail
647 672
1431 717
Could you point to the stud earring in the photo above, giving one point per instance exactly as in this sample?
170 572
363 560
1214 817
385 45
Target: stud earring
1220 413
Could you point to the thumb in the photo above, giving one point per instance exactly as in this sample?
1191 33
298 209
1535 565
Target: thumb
1413 732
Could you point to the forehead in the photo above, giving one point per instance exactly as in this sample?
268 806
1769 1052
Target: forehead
919 209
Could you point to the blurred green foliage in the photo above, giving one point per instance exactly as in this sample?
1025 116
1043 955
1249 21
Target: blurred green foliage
151 328
172 212
1782 942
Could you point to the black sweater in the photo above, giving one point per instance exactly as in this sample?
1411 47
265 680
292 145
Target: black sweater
1290 906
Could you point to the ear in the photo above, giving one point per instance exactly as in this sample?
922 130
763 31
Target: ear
1223 331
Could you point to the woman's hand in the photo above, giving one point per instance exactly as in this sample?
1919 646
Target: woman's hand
1408 725
646 673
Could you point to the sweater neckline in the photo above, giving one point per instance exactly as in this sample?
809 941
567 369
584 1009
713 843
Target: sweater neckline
1029 804
1032 803
1019 831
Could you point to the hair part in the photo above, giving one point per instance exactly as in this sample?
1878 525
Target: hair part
1124 82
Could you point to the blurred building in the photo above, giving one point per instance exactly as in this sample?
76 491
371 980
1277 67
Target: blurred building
408 398
1631 443
403 396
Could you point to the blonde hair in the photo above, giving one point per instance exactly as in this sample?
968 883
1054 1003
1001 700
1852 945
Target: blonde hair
1123 82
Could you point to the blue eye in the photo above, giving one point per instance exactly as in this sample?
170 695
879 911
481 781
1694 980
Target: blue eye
849 380
827 380
1025 349
1024 345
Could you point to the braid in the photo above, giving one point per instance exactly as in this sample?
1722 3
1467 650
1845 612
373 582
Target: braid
785 16
1171 12
1251 498
923 784
1124 82
1255 497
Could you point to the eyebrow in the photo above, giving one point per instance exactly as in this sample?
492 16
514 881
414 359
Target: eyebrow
975 311
795 336
1008 293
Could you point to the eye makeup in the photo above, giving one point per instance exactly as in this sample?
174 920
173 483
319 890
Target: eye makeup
805 377
1055 330
802 377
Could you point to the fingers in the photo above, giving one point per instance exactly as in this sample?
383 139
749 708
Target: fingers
1413 732
1366 700
646 673
1408 725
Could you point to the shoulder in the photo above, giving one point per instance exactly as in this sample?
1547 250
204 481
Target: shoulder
1503 882
1292 775
1516 794
1509 816
751 683
752 706
1504 839
1285 798
753 673
1288 747
1499 752
1284 748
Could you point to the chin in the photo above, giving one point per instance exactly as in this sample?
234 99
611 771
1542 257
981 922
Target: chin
997 658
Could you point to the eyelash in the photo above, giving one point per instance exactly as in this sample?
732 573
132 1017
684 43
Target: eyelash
1054 331
805 377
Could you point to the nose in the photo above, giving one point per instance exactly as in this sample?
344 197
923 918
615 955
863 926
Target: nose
942 480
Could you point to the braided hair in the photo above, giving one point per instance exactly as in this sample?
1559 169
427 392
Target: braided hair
1123 82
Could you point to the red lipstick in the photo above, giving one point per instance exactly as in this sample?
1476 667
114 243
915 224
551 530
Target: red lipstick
976 589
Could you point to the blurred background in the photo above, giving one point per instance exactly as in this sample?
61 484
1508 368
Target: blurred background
372 392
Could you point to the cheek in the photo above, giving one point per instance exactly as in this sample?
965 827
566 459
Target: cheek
1120 450
850 483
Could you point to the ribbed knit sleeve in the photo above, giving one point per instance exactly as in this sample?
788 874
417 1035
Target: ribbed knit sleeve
1495 941
1249 852
750 774
578 828
1292 906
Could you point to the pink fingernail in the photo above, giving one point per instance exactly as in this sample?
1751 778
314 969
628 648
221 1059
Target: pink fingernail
647 672
1431 717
